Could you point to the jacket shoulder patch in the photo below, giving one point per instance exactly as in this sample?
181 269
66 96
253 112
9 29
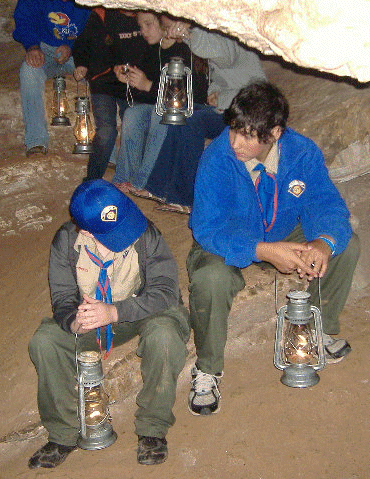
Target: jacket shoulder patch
296 188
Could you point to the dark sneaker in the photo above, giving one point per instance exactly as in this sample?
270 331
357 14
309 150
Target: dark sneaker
204 397
335 349
37 150
50 455
151 450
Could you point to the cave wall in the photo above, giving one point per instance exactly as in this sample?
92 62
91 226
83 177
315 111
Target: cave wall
330 36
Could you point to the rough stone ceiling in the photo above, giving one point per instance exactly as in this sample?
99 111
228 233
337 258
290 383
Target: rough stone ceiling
328 35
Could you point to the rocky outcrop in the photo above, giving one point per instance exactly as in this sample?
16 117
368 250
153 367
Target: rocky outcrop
327 36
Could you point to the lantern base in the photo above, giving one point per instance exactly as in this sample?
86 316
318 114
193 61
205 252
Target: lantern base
82 149
60 121
97 438
299 376
173 118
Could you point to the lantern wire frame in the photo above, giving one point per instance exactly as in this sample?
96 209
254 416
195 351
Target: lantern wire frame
101 434
82 108
299 375
172 120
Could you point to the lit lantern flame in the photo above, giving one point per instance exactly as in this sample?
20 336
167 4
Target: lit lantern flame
299 345
96 431
60 106
83 130
96 406
175 94
299 350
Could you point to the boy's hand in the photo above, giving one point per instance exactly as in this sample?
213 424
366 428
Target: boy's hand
62 54
79 73
138 79
286 257
93 314
178 30
35 57
212 99
317 257
121 73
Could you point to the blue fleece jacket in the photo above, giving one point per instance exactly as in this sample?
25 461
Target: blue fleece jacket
226 219
54 22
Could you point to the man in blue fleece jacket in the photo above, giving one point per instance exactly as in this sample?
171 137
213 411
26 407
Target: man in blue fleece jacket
298 223
47 30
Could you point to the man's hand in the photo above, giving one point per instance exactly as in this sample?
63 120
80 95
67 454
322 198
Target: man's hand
212 99
35 57
93 314
178 30
287 257
317 257
62 54
138 79
121 73
79 73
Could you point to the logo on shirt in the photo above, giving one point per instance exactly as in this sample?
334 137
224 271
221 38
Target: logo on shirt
296 188
63 27
128 35
109 213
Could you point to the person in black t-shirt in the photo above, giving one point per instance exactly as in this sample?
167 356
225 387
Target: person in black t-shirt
142 135
111 37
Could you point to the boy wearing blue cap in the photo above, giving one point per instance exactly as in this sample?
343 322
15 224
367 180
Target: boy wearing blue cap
110 268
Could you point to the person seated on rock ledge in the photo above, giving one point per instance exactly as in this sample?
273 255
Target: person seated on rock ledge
109 241
262 195
47 30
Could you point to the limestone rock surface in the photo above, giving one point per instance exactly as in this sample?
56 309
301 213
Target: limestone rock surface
325 35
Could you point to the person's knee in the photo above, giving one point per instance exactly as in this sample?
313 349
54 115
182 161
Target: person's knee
212 279
134 119
163 339
48 342
352 252
105 134
354 247
40 346
30 76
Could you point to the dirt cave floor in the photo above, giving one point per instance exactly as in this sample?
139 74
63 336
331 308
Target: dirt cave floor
264 430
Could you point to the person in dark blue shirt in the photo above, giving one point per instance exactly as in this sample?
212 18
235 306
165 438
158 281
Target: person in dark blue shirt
47 31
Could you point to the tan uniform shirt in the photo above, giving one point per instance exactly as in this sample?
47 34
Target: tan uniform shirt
123 273
271 163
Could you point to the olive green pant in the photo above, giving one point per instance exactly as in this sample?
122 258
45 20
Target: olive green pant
162 349
213 286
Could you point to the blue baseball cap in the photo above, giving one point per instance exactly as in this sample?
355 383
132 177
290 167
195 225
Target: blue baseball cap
100 208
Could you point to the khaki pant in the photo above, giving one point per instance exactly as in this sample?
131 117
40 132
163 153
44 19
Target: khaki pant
162 348
213 286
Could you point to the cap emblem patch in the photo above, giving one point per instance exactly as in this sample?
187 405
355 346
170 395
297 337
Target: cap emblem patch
109 213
